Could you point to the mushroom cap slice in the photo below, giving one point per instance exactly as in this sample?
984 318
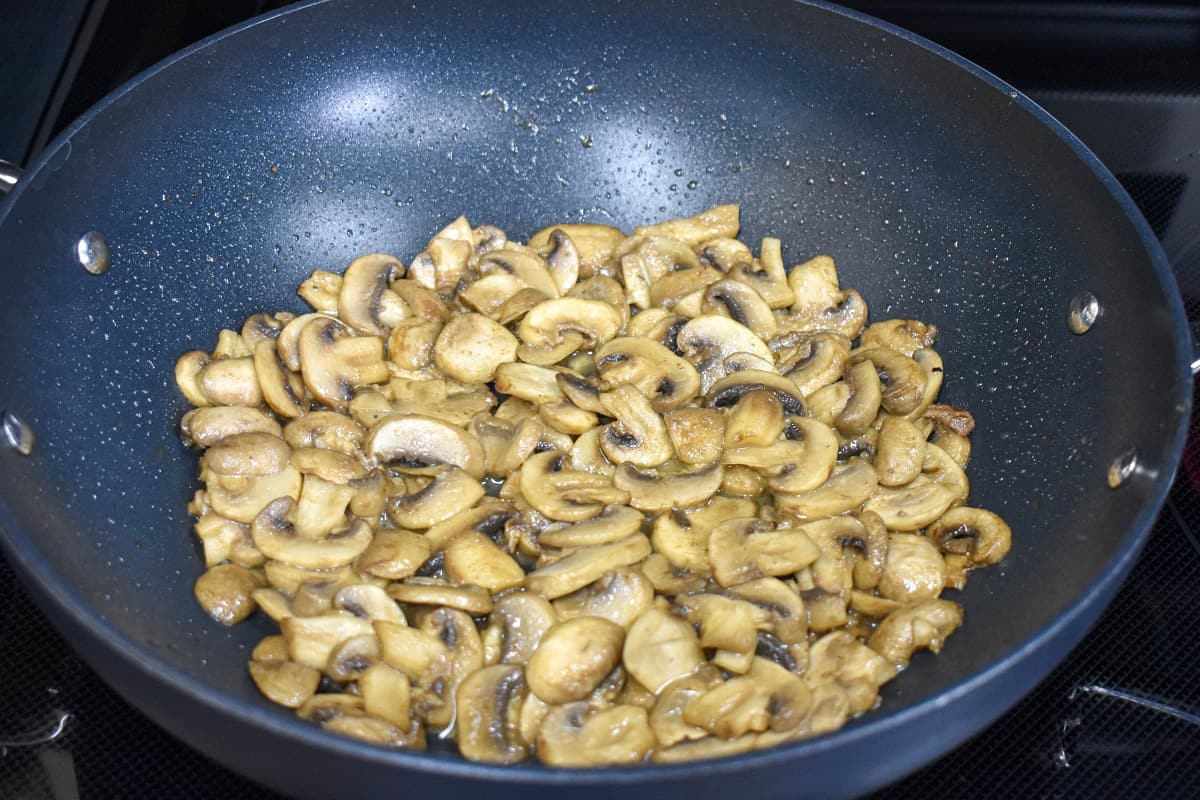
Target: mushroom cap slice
899 451
230 382
488 704
815 360
718 221
866 394
365 301
394 555
450 491
848 487
530 269
187 376
226 592
799 463
712 338
473 558
565 494
411 440
470 347
914 570
333 361
659 648
594 244
666 379
585 565
577 735
744 549
697 434
613 523
656 491
254 453
275 535
976 533
282 389
205 427
904 385
329 430
741 303
920 625
620 596
285 682
727 391
417 591
923 500
639 435
666 717
245 497
288 341
311 640
548 322
573 657
682 535
516 626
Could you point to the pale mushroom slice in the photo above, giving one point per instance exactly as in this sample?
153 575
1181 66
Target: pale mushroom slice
717 221
911 507
329 430
563 260
435 703
530 269
472 558
613 523
620 596
866 395
282 389
252 454
724 623
740 302
852 550
593 243
666 716
577 735
187 376
767 698
204 427
529 382
565 494
285 682
414 441
547 323
645 259
394 554
488 703
812 360
516 626
353 657
411 344
429 592
275 536
365 300
914 570
226 593
709 339
334 362
820 302
471 347
767 275
573 657
726 392
899 451
659 648
581 567
638 436
230 382
682 534
840 658
742 550
666 379
802 461
386 694
242 498
848 487
450 491
921 625
650 490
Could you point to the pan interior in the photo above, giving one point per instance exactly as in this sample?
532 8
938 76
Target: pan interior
344 128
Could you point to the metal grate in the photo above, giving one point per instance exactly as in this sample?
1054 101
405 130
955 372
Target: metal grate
1156 194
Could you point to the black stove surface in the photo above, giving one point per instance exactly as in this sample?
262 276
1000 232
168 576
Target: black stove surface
1119 718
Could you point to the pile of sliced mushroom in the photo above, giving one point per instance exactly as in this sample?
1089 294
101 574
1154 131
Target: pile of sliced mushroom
592 499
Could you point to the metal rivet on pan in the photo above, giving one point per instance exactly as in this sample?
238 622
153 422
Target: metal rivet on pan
1085 310
92 253
1123 468
16 434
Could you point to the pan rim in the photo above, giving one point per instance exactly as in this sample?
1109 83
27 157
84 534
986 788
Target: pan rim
34 567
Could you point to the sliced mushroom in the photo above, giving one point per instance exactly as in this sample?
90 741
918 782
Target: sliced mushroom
669 580
666 379
639 435
620 596
724 623
219 536
769 697
976 533
204 427
419 654
565 494
226 593
741 550
865 398
473 558
548 322
489 517
903 378
754 420
394 555
902 335
353 657
187 376
470 348
709 339
848 487
593 243
586 565
369 602
457 631
516 626
789 621
921 625
409 440
899 451
285 682
682 535
812 360
645 259
230 382
741 303
289 578
530 269
365 301
253 453
334 362
820 303
840 658
914 571
320 290
489 703
443 262
275 535
650 491
450 491
697 434
242 498
311 640
918 503
426 592
726 392
282 389
613 523
529 382
386 694
666 717
576 735
801 462
715 222
766 276
264 327
659 648
573 657
325 429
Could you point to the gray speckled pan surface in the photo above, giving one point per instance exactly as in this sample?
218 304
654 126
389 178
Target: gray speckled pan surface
338 128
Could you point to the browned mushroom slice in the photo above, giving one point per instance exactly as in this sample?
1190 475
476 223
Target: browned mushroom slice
976 533
593 243
620 596
241 498
489 518
428 592
205 427
275 534
659 648
394 555
470 348
715 222
744 549
419 654
353 657
863 404
740 302
847 488
903 378
288 342
386 694
666 379
576 735
820 302
914 570
703 749
230 382
921 625
800 462
754 420
565 494
550 321
911 507
709 339
226 593
666 716
573 657
187 376
697 434
251 454
769 697
285 682
899 451
585 565
670 580
334 362
412 441
311 640
365 300
289 578
812 360
615 522
489 703
649 490
457 631
450 491
472 558
320 290
838 657
325 429
682 535
638 436
282 389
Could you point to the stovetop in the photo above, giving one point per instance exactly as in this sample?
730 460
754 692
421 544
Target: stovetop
1120 717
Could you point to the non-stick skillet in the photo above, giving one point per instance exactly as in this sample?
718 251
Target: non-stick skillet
222 177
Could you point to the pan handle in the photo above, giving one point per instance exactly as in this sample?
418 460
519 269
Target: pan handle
9 175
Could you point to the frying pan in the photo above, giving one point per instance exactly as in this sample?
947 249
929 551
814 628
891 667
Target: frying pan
222 177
